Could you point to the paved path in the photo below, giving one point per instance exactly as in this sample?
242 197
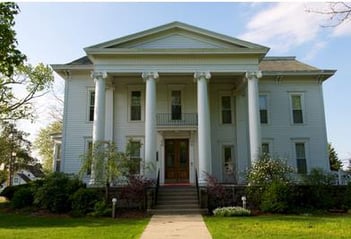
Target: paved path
176 226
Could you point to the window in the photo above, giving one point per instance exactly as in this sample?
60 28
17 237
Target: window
265 148
300 152
134 150
228 160
296 105
91 105
176 101
58 158
226 109
135 106
263 109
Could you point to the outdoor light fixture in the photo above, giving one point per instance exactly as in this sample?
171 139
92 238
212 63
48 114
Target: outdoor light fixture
114 202
243 198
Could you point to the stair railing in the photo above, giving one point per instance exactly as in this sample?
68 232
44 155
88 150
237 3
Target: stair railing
197 186
157 186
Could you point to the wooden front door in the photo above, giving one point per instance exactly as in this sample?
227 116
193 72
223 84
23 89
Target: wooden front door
176 160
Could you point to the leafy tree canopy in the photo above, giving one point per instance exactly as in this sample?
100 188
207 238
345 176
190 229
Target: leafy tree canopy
44 144
335 163
20 82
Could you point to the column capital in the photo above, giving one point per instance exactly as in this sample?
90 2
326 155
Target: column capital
149 75
253 74
97 75
202 74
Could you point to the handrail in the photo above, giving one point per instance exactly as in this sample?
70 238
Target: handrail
157 185
197 186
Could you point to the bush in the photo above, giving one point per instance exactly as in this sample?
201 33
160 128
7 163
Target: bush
9 192
217 195
22 198
83 201
134 191
231 212
101 209
277 198
55 193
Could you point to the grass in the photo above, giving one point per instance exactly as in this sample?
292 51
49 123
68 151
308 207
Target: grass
33 227
280 226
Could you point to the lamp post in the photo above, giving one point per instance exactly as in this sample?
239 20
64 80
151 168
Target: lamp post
114 202
243 198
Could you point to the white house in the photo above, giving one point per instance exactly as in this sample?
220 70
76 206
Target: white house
194 100
27 174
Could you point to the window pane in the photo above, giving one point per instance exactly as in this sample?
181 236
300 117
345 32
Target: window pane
228 160
176 105
301 158
263 116
296 102
91 106
297 117
135 157
265 148
135 109
226 110
263 102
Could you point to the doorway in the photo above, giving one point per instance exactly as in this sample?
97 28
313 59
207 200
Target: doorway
176 161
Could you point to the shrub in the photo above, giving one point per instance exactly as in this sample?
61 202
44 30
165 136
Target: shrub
277 198
318 176
101 209
134 191
9 192
217 195
231 212
22 198
55 192
83 201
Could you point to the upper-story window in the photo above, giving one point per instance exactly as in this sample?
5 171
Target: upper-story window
226 109
300 152
297 109
135 106
176 104
263 109
91 105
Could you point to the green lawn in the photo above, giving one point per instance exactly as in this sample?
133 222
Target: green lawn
276 226
30 227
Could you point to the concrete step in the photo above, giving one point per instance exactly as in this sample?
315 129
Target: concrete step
178 211
177 206
177 202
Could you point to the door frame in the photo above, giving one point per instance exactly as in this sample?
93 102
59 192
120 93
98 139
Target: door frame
179 139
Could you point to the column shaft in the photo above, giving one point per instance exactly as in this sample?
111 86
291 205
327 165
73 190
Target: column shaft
150 124
204 125
254 117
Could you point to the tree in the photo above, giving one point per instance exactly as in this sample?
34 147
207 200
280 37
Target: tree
15 74
44 144
15 150
337 12
335 163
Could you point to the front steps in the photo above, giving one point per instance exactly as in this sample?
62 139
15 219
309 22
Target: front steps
177 200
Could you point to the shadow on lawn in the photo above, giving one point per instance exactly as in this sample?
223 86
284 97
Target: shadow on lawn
14 221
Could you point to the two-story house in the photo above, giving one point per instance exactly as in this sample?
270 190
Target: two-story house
193 100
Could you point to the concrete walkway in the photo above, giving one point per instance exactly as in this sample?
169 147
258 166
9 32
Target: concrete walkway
176 226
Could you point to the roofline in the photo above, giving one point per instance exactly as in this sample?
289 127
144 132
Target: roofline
319 73
171 25
61 67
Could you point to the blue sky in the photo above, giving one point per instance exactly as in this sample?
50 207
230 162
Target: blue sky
58 32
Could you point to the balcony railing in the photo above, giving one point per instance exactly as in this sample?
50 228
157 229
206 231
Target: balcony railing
166 119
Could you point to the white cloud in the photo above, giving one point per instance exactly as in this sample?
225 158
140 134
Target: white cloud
284 25
316 47
344 29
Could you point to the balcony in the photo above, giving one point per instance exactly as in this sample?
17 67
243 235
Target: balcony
166 120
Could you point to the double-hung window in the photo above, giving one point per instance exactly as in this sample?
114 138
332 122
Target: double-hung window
135 106
300 152
226 109
297 109
263 100
91 105
134 148
176 104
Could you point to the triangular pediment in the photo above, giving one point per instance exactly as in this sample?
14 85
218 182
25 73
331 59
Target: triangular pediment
177 35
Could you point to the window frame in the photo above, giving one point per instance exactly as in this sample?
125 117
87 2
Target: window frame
172 88
132 105
88 142
267 108
232 108
302 102
139 139
130 89
306 152
90 106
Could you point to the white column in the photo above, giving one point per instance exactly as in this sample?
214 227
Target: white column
99 114
150 123
109 114
204 125
254 117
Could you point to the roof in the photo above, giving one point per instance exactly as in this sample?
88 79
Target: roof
35 170
24 177
284 64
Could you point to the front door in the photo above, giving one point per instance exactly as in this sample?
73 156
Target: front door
176 160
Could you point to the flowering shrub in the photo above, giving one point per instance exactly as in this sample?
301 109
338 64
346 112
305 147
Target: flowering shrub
231 212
